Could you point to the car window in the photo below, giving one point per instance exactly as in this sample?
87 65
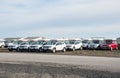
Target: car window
96 41
77 42
108 41
51 43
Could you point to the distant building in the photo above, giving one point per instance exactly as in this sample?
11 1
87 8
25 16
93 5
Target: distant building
12 39
24 39
35 38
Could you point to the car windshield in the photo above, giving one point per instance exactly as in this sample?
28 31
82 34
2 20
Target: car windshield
17 42
96 41
51 43
23 43
27 43
71 42
38 43
108 41
85 41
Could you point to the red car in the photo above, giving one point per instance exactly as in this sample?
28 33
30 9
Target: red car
109 44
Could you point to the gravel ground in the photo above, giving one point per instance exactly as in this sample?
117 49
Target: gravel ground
101 53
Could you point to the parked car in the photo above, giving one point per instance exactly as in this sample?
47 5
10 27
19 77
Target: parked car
85 44
109 44
74 45
95 43
37 46
25 46
2 44
14 46
54 45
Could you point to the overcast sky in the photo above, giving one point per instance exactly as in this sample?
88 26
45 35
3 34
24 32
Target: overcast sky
60 18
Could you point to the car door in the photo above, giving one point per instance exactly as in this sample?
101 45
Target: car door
77 44
59 46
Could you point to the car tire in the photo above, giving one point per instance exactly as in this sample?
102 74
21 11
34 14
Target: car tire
10 50
64 49
73 49
54 50
116 48
18 50
28 49
40 49
111 49
81 48
2 46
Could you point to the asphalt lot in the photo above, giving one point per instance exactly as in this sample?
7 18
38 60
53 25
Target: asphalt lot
89 62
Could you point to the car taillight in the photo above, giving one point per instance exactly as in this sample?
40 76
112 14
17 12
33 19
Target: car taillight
109 45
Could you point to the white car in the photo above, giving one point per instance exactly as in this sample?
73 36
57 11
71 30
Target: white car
14 46
2 44
85 44
74 45
54 46
37 46
25 46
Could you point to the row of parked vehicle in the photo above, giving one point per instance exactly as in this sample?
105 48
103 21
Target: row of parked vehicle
62 45
42 45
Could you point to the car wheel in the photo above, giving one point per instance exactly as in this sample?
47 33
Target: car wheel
18 50
73 48
81 48
10 50
111 48
54 50
64 49
2 46
28 49
40 49
116 48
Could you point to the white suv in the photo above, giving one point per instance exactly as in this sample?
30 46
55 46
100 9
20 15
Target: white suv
54 46
14 46
74 45
25 46
85 44
37 46
2 44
